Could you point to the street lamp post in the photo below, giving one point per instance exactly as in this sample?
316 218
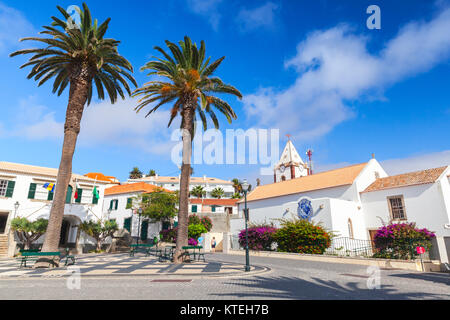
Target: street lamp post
139 225
245 187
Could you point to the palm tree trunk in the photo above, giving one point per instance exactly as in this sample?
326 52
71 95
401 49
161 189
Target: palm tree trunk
183 219
79 88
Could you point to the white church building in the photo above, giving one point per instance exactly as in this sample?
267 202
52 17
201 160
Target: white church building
354 201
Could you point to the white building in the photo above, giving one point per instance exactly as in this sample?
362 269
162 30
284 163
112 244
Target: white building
356 200
173 184
22 195
119 204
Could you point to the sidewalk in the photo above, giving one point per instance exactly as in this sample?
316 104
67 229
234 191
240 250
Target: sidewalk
122 265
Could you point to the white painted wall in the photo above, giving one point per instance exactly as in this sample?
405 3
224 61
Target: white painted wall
424 205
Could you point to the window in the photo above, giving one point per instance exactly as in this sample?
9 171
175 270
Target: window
32 191
350 229
194 208
397 207
127 223
113 205
79 195
129 203
69 194
213 208
7 188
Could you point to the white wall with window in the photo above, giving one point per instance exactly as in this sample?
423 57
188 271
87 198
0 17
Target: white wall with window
23 185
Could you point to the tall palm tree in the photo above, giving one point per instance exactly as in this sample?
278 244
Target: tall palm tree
135 173
198 191
188 85
79 57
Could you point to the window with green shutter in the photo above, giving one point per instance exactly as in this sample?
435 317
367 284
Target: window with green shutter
10 189
32 191
144 230
94 199
50 196
69 194
213 209
127 224
80 193
117 204
129 203
194 208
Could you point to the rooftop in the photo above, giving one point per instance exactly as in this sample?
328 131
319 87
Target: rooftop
40 171
406 179
162 179
328 179
133 187
101 177
212 202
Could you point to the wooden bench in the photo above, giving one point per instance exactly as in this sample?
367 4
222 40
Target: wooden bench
142 247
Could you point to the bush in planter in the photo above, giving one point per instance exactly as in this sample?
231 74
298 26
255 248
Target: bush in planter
302 236
194 232
259 238
399 241
205 221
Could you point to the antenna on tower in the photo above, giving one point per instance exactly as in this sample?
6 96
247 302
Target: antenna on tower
309 153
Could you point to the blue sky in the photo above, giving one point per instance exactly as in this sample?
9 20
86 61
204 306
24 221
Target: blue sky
309 68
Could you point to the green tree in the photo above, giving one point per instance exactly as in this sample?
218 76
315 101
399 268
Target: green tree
217 193
198 191
186 82
99 230
159 206
28 231
135 173
79 57
237 185
152 173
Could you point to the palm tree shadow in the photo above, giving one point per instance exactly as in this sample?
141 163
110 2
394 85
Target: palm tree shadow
440 278
300 289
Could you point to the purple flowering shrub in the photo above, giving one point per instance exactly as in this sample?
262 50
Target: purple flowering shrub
169 235
259 238
399 241
192 242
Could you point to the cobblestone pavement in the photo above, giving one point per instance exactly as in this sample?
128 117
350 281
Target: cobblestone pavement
116 265
288 279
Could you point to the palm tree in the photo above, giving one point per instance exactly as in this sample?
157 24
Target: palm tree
79 57
152 173
135 173
217 193
187 83
237 185
198 191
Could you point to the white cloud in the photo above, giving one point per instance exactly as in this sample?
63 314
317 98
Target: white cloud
119 125
417 162
34 121
103 124
208 9
13 26
260 17
334 69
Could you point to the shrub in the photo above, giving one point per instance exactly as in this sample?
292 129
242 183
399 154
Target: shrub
302 236
259 238
195 230
205 221
27 231
169 235
399 241
192 242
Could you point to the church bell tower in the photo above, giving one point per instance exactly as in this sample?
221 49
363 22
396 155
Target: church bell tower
291 165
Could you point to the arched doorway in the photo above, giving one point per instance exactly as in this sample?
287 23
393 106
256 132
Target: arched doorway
69 231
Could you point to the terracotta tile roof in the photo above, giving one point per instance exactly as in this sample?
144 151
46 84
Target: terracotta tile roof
133 187
161 179
217 202
328 179
101 177
40 171
406 179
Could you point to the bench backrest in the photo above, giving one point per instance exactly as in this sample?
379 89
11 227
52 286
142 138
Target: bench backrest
141 245
44 254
